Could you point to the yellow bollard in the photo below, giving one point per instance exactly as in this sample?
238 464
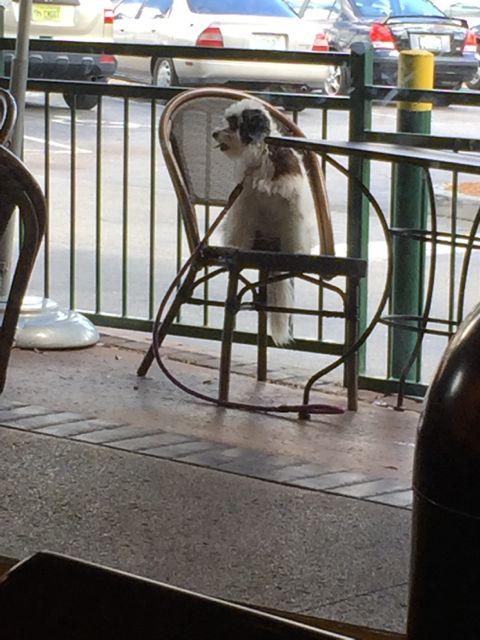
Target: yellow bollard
415 71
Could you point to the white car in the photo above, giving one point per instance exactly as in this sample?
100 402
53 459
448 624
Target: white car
84 20
247 24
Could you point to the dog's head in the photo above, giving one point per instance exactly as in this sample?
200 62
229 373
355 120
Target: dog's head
248 123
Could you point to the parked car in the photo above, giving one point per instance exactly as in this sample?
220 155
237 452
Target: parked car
469 10
88 20
251 24
390 26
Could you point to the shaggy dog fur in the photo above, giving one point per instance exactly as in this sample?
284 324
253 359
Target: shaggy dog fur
274 212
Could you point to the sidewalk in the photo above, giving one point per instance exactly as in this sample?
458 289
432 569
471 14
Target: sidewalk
311 517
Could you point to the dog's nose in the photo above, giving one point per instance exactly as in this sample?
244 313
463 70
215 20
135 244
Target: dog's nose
215 134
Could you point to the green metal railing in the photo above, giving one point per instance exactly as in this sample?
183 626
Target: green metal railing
114 240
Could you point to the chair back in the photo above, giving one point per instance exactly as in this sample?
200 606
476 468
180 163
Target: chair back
201 175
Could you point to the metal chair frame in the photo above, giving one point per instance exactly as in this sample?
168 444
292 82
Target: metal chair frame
18 190
314 268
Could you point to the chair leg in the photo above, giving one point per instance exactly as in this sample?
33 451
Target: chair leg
231 308
183 294
32 230
262 335
351 336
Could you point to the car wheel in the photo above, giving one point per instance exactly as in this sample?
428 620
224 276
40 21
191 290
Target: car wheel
82 101
336 83
163 74
474 83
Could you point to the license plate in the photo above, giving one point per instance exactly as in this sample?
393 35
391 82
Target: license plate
268 41
435 44
46 13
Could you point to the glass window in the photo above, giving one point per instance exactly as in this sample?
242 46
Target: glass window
460 8
155 8
276 8
385 8
127 9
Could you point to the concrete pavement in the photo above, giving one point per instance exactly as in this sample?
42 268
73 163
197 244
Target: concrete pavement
310 517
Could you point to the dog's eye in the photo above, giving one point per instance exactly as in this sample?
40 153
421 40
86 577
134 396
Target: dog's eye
233 122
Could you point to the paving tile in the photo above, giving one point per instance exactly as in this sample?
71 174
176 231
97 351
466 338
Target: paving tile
297 471
235 453
254 463
332 480
5 403
209 458
149 441
180 450
36 422
396 499
120 432
74 428
375 488
22 412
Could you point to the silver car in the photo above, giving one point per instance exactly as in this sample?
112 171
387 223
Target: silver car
247 24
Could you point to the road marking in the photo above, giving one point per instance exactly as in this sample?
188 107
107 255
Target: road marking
63 148
105 124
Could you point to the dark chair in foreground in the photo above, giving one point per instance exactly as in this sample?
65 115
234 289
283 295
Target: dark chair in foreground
18 190
202 176
61 598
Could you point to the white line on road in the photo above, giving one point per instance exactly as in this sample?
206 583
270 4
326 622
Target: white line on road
64 148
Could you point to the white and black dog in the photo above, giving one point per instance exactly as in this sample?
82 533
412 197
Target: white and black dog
274 210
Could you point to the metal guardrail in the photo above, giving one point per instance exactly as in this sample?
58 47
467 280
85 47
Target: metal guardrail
113 243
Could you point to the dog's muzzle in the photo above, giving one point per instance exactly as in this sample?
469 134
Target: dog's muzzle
217 135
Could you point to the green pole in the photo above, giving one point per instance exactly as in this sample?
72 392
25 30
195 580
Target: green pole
361 73
2 33
415 71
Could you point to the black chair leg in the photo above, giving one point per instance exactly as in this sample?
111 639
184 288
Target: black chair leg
262 337
183 294
351 337
231 308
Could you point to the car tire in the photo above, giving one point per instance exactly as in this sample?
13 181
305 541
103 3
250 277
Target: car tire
163 74
337 81
80 101
474 83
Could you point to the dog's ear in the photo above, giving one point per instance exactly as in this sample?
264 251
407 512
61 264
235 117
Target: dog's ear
254 126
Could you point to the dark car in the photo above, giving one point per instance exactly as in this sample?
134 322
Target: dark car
391 26
78 20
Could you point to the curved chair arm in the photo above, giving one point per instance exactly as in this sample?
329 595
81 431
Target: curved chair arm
8 115
18 188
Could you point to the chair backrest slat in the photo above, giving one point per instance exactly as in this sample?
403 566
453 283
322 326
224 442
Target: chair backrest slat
201 174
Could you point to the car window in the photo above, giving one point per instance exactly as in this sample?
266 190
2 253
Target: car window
460 8
384 8
156 8
127 8
276 8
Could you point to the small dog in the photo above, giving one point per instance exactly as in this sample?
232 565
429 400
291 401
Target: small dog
274 212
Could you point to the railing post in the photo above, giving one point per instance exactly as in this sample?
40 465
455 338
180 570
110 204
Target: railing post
445 556
415 71
360 119
2 34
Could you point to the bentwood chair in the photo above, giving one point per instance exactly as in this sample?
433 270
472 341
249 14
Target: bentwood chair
18 190
201 175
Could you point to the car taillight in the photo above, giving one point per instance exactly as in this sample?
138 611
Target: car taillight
106 58
210 37
108 16
320 43
381 37
470 45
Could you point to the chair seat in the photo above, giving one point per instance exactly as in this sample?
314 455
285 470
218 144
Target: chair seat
327 266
